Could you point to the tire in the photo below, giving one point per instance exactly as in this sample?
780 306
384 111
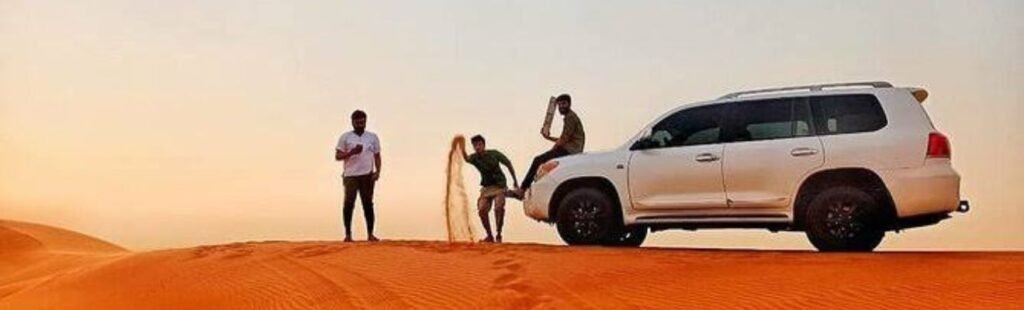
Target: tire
586 217
629 237
844 219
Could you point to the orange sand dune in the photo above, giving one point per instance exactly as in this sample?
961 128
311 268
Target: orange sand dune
48 268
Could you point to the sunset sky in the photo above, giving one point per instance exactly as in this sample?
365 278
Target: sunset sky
175 123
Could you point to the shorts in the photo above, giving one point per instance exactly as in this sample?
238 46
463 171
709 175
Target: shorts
492 191
492 195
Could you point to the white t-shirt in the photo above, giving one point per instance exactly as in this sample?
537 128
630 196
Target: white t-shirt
362 163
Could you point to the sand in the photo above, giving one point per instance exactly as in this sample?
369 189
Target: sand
49 268
456 203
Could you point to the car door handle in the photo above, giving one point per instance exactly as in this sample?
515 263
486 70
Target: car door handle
803 151
706 157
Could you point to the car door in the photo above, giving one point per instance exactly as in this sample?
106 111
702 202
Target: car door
681 168
772 147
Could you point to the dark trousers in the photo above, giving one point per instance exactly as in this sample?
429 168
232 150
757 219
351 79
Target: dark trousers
363 185
540 160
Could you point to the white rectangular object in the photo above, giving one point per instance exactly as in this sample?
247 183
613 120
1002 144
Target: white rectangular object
546 128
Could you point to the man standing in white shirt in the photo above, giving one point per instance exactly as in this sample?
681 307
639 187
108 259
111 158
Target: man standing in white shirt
360 150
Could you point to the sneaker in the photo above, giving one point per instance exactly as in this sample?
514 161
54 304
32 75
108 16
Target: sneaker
489 239
497 239
348 238
372 238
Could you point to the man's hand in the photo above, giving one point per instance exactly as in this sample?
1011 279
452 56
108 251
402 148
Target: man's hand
342 155
376 176
547 136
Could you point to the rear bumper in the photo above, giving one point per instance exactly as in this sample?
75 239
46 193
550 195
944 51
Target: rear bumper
930 219
933 188
920 220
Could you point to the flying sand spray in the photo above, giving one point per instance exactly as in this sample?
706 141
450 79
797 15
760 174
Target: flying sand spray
456 204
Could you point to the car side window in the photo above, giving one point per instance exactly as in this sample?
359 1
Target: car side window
763 120
802 119
771 119
694 126
847 114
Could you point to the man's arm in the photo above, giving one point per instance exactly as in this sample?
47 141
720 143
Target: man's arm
567 131
548 137
512 171
376 161
341 152
375 148
340 155
508 164
562 140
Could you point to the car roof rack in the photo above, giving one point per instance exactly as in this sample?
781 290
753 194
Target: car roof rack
818 87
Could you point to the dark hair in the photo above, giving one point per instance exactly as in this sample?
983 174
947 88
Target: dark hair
564 97
358 114
477 138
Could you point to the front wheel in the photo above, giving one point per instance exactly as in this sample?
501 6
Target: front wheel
586 217
844 219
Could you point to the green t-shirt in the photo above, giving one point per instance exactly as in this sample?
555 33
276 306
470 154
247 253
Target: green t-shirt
488 165
572 131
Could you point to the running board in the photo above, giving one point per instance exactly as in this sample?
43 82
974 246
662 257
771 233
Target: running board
773 223
781 218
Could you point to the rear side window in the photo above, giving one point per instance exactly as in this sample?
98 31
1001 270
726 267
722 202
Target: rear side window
771 119
694 126
847 114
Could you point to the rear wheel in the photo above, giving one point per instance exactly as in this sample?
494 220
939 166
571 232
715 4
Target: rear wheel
586 217
632 236
844 219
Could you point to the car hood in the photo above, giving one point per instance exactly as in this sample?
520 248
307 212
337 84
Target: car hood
590 163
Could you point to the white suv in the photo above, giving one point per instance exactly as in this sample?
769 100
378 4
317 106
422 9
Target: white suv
842 162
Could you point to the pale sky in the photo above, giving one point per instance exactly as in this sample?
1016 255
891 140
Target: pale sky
176 123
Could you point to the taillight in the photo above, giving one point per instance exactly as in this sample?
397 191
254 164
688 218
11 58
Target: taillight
938 146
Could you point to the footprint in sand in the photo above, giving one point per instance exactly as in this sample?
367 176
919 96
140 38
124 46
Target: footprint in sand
318 250
229 251
519 293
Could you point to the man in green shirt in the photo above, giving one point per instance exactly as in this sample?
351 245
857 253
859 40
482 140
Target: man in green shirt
570 142
492 183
